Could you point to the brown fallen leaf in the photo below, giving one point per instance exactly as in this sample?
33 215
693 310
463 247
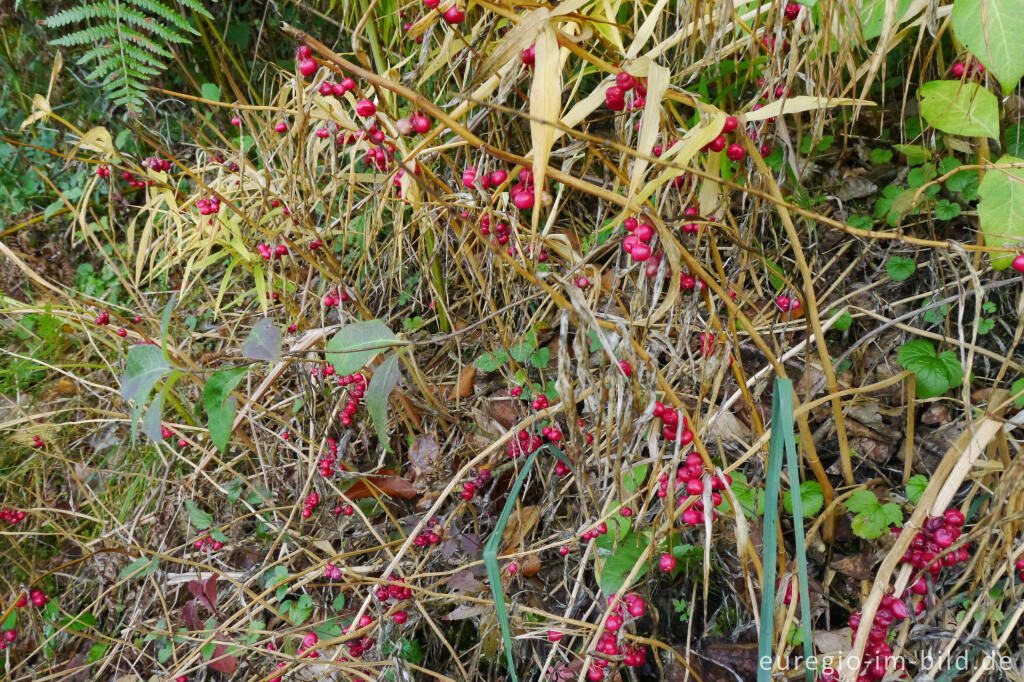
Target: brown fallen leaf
464 387
529 565
504 409
423 454
392 486
522 521
857 566
466 611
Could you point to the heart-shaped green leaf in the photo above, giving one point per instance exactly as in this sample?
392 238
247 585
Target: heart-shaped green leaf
960 108
992 30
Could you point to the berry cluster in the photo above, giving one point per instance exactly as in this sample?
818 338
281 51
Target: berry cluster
332 572
791 11
103 318
8 638
430 537
452 15
309 641
690 478
12 516
103 171
609 644
595 532
38 442
357 648
636 243
968 68
357 388
330 88
156 164
670 424
878 652
347 510
396 592
524 444
540 402
208 206
928 548
132 182
691 228
311 502
417 122
207 544
733 151
787 304
307 65
469 488
615 96
327 462
336 297
268 253
37 597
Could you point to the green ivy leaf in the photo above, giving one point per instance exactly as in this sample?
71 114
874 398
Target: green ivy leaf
915 153
985 325
946 209
1001 209
900 268
992 30
872 16
301 610
934 374
960 108
355 344
916 486
220 405
197 517
521 351
384 380
633 478
871 517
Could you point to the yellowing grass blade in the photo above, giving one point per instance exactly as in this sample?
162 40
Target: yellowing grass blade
796 105
657 85
646 30
545 106
514 42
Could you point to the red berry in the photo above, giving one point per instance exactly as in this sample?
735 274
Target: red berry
1018 263
280 126
454 15
625 81
731 122
307 66
365 107
717 144
627 369
734 152
958 69
792 10
667 563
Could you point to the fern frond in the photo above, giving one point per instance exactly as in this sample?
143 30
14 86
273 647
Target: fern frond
155 7
197 6
127 41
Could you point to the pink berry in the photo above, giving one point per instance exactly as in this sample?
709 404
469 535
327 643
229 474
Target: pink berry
958 69
454 15
717 144
734 152
667 563
1018 263
235 121
563 550
523 200
280 126
627 369
365 108
731 122
307 66
400 617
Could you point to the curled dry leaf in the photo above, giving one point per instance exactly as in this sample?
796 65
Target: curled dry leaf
391 485
464 387
423 454
522 521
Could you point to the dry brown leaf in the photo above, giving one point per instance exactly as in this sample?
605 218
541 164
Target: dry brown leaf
530 565
392 486
857 566
467 611
522 521
464 387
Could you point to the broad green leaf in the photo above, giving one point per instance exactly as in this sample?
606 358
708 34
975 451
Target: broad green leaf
992 30
843 323
139 568
540 357
633 478
264 342
615 568
861 222
1015 139
152 423
220 405
915 153
960 108
811 496
934 374
1015 388
862 502
197 517
210 91
354 344
145 366
872 16
521 351
916 486
1001 209
301 610
946 209
384 380
775 274
900 268
880 156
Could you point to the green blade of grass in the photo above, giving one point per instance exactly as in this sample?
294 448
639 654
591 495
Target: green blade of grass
491 562
782 446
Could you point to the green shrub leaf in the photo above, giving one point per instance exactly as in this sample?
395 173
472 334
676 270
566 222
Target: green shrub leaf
992 31
960 108
1001 209
354 344
264 342
934 373
384 380
220 405
900 268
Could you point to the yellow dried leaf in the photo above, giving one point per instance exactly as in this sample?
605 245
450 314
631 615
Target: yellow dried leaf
545 107
801 103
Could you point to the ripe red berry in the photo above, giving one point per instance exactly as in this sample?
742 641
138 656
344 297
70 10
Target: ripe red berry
717 144
1018 263
667 563
235 121
554 635
734 152
792 10
280 126
731 122
365 107
958 69
454 15
307 66
625 81
529 56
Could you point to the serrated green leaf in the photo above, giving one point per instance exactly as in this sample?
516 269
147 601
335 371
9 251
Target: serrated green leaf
947 210
960 108
521 351
355 344
488 362
540 358
812 496
880 156
862 502
934 374
916 486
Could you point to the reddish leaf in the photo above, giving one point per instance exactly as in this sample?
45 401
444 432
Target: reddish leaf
199 590
211 591
190 616
221 662
391 485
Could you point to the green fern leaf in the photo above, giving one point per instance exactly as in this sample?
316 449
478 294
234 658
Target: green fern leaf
154 7
196 6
